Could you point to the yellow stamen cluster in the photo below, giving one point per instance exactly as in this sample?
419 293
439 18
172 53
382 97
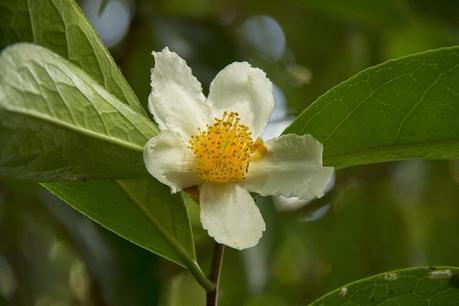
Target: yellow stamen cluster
223 150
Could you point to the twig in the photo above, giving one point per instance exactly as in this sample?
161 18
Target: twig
214 276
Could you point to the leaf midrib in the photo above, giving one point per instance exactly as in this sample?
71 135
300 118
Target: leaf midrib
179 250
75 128
330 160
85 212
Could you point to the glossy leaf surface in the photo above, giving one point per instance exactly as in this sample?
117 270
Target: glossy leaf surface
402 109
140 210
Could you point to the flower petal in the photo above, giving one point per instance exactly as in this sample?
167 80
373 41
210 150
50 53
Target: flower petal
229 214
246 90
170 161
176 100
292 167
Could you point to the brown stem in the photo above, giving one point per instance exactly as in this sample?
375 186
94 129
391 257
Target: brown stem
215 269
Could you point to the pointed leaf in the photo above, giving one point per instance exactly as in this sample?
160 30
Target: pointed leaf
156 221
402 109
57 123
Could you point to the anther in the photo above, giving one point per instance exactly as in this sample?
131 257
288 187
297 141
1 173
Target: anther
223 150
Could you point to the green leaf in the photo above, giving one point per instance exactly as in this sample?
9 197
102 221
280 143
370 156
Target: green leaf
140 210
402 109
156 221
60 26
57 123
414 286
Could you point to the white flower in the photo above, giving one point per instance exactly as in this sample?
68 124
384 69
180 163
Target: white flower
212 143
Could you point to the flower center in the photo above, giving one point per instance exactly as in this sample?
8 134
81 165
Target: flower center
223 150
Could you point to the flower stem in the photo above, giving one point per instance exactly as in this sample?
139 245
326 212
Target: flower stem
215 269
200 277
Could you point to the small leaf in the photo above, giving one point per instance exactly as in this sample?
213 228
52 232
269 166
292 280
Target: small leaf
140 210
413 286
402 109
57 123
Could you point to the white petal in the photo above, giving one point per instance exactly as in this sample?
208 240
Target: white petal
246 90
176 100
291 167
170 161
229 214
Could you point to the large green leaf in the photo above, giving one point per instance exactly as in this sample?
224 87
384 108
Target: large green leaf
60 26
414 286
58 123
156 220
140 210
404 108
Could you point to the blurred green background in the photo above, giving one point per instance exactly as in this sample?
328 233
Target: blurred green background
374 218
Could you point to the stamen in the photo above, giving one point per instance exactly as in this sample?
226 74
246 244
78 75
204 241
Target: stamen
223 150
259 149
